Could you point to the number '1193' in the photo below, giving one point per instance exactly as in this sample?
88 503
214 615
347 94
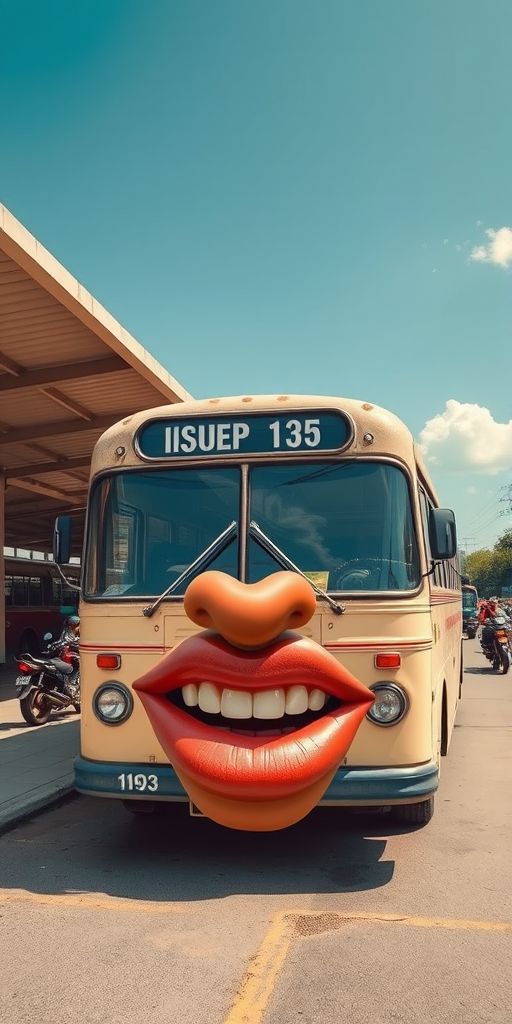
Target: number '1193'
138 782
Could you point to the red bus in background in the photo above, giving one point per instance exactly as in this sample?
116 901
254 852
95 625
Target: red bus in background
37 601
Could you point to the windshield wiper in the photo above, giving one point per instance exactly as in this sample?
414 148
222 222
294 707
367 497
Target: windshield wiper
282 559
201 562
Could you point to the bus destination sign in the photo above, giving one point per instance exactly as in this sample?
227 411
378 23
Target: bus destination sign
238 435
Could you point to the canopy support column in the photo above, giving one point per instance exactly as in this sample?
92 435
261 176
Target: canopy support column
2 568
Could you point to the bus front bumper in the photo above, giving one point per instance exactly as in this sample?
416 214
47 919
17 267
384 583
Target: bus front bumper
356 787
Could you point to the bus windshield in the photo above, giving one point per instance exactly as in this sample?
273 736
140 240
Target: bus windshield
469 599
348 525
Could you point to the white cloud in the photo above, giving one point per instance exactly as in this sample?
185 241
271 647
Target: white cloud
479 223
498 251
446 241
471 490
465 438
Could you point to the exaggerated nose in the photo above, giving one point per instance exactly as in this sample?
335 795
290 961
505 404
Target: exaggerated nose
249 614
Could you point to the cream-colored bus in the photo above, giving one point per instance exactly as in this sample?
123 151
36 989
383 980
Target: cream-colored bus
270 612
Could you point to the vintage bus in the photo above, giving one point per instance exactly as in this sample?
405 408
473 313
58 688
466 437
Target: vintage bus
37 601
469 602
270 612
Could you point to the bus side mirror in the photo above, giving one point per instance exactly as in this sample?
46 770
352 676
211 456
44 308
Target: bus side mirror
62 540
442 534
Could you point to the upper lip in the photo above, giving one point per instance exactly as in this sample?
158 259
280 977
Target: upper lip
274 666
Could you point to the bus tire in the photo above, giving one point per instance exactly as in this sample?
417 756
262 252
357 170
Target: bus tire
414 814
139 807
30 643
35 709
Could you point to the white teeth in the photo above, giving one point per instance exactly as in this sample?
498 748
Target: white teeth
236 704
190 695
268 704
209 698
296 700
316 700
239 704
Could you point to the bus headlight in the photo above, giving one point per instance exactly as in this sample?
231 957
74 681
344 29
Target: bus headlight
390 705
112 703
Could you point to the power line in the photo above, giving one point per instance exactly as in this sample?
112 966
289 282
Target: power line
482 513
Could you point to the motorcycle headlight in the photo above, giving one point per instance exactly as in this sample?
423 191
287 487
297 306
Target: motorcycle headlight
390 705
112 703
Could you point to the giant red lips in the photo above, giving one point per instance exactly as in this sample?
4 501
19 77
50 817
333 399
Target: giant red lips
255 782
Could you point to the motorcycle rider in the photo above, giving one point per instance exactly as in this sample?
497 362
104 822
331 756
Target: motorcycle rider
486 613
488 610
70 637
71 633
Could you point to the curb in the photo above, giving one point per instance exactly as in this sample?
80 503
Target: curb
14 812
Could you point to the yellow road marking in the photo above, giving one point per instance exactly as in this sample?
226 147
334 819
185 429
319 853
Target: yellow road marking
261 975
89 901
283 922
457 923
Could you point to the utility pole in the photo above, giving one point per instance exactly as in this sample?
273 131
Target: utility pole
463 551
507 500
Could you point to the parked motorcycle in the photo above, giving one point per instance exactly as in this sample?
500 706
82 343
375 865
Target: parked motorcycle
496 642
50 682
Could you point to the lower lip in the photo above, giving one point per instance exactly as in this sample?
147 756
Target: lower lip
253 768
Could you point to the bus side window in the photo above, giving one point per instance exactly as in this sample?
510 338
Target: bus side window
35 592
440 575
425 508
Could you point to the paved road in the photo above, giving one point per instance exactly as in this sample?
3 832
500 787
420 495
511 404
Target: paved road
174 920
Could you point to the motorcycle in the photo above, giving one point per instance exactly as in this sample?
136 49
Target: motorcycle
496 642
50 682
471 627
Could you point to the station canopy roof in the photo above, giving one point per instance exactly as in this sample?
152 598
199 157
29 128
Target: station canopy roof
68 370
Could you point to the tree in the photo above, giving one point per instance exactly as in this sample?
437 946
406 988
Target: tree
490 571
504 543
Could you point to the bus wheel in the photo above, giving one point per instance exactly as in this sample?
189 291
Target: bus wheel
139 807
29 643
414 814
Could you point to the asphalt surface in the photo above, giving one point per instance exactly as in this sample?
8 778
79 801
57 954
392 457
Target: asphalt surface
342 918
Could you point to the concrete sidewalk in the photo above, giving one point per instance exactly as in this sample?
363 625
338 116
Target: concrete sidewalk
36 762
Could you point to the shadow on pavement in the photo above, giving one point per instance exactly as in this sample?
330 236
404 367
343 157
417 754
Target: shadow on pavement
95 846
20 724
483 671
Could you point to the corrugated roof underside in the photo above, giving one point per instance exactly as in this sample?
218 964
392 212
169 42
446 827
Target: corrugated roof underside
38 332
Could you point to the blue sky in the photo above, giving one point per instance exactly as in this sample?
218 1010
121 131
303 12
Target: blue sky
308 196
